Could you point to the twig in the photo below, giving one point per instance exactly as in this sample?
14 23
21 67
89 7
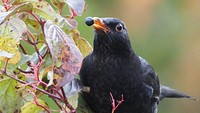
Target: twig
25 72
63 93
60 106
114 107
38 89
24 51
22 48
35 17
66 102
38 104
6 65
45 54
69 106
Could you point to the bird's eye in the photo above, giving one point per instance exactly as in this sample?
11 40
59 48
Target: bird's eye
119 27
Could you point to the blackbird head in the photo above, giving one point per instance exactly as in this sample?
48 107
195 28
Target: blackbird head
111 36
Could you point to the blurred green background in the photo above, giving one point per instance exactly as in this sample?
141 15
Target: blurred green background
164 32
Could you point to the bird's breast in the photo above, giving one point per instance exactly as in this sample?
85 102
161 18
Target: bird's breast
116 76
113 75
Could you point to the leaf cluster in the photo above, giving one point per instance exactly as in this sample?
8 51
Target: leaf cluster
41 52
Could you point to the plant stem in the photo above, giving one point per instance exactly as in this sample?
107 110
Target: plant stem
38 89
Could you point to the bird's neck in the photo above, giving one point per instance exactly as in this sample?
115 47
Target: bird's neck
105 47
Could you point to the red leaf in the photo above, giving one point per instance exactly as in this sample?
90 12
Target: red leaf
63 50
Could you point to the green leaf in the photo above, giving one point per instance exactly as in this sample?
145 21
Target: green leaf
12 67
30 21
31 107
44 9
33 23
58 3
17 2
83 45
13 28
41 8
67 24
23 60
42 51
10 100
26 7
74 100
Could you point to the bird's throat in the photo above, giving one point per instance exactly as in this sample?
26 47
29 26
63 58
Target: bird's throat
105 46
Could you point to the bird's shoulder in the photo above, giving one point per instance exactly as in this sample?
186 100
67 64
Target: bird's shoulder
147 70
150 78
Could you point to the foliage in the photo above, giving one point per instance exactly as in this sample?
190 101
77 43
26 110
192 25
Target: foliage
48 70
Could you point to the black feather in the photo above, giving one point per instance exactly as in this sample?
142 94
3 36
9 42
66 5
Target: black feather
113 67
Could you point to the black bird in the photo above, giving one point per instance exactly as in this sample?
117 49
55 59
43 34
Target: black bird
114 68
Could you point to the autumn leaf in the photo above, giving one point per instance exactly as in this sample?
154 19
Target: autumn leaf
29 51
9 49
22 61
81 43
26 7
10 36
10 100
67 24
31 107
29 21
58 3
13 28
63 49
44 9
41 8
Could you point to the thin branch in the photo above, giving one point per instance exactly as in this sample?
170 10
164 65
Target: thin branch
24 51
6 65
63 93
60 106
34 43
38 89
70 106
38 104
25 72
114 107
66 102
45 54
22 48
28 41
37 19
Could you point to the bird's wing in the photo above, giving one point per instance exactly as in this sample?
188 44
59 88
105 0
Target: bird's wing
150 79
